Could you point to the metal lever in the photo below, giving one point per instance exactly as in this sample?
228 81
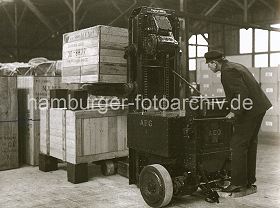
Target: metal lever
182 78
207 119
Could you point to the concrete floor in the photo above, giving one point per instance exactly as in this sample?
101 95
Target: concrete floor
28 187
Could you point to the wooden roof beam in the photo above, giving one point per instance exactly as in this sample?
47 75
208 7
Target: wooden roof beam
40 15
251 4
210 12
124 12
268 5
213 9
68 4
119 10
241 6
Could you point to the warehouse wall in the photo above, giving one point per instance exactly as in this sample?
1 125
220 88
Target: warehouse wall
224 38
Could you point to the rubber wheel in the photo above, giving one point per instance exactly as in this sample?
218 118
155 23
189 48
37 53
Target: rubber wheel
156 185
108 168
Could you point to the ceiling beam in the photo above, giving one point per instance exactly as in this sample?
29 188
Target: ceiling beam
210 12
251 4
68 5
245 11
124 13
44 19
79 5
119 9
268 5
213 9
22 15
11 20
238 4
225 22
82 18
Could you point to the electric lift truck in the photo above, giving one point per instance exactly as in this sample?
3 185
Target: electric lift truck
170 153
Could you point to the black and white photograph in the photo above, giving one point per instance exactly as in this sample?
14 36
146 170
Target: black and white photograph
139 103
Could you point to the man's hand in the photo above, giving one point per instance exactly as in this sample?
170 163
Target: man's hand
231 115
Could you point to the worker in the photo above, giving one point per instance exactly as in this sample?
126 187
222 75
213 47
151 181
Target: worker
240 85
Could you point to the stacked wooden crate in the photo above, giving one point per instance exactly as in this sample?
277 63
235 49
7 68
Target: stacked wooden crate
83 136
210 83
8 123
270 79
94 55
33 94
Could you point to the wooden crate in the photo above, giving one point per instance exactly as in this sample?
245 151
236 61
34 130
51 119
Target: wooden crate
8 99
31 90
29 141
86 136
9 145
94 55
45 131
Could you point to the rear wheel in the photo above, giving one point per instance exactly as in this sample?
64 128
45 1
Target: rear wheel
156 185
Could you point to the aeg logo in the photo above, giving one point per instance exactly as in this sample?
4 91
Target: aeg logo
215 132
146 123
158 11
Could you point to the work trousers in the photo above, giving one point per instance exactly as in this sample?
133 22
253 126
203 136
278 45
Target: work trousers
244 151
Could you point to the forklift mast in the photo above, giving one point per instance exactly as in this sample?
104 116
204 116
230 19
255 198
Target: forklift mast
153 53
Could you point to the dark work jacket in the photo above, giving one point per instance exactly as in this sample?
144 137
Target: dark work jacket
237 80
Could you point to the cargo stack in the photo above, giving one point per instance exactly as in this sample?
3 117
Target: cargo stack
270 85
90 56
210 83
95 55
8 123
33 93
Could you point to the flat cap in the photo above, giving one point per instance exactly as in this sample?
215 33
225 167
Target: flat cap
213 55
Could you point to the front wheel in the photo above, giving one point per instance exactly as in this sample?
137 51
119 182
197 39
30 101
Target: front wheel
156 185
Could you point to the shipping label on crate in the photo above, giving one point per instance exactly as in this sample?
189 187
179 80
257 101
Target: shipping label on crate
80 52
80 61
80 35
80 44
269 75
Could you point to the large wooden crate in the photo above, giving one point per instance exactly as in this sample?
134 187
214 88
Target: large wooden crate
9 145
84 136
29 136
94 55
34 92
45 131
8 99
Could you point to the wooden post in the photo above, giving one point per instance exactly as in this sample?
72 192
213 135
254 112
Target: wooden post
246 11
184 71
74 15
